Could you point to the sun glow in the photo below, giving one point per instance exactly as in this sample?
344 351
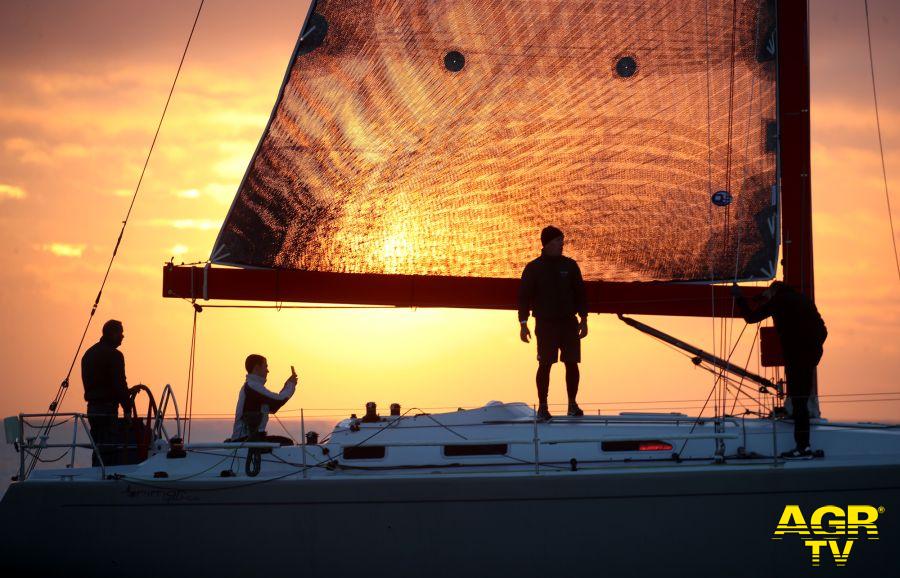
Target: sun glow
57 229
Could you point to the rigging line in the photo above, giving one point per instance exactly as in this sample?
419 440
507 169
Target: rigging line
188 476
431 417
46 460
738 341
887 195
189 405
741 230
285 429
723 330
746 365
709 211
731 383
728 152
61 393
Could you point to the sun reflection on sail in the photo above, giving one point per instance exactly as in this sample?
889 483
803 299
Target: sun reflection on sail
383 158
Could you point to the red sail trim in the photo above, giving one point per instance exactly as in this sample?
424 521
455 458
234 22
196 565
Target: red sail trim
287 285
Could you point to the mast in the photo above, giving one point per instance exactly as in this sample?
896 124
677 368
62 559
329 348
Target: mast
794 149
794 144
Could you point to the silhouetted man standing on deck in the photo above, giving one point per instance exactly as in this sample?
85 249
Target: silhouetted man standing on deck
802 333
552 290
105 388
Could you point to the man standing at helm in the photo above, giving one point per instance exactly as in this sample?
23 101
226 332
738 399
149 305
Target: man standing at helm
105 389
552 290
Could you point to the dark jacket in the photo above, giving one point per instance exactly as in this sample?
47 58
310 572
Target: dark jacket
552 288
103 374
800 328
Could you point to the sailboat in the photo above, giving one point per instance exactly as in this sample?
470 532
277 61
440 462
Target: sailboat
413 150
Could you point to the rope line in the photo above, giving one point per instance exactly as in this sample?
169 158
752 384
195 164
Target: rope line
887 196
189 397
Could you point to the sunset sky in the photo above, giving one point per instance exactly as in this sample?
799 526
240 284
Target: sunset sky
82 84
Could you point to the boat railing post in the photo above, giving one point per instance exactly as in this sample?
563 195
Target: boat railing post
87 430
21 448
303 440
74 442
177 411
774 435
537 443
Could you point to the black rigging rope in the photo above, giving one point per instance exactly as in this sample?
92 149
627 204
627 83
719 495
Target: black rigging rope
63 388
887 195
189 396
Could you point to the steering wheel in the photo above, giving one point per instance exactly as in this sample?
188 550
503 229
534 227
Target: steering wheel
145 434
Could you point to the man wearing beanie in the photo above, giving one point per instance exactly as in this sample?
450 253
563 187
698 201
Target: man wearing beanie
552 290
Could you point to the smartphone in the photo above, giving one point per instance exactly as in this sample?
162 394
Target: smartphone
293 371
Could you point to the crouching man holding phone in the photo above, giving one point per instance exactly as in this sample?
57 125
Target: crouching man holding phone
255 402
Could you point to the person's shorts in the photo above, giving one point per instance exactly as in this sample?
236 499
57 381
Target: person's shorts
557 340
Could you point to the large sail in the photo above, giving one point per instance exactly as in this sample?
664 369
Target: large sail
436 138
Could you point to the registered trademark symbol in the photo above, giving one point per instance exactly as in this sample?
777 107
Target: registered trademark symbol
880 509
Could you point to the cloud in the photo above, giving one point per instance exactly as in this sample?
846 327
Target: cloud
218 192
64 249
28 151
179 250
11 192
197 224
843 118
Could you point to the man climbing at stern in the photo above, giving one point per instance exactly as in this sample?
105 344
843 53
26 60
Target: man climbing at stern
552 290
255 402
802 333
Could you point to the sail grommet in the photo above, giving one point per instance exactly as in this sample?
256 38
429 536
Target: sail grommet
626 66
454 61
721 198
313 34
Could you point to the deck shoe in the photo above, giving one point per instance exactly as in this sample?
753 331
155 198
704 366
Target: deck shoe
574 410
543 413
798 454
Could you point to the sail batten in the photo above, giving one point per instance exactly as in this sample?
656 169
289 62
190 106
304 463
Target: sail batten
616 121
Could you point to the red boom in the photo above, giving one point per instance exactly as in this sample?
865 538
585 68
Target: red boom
432 291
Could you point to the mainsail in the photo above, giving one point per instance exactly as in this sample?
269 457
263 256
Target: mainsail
424 138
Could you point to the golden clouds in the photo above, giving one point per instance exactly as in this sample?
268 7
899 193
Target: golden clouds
11 192
29 151
221 193
196 224
64 249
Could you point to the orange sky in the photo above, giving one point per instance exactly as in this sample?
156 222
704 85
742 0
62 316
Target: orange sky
82 85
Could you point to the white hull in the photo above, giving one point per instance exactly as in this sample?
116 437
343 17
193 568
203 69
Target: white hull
693 517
